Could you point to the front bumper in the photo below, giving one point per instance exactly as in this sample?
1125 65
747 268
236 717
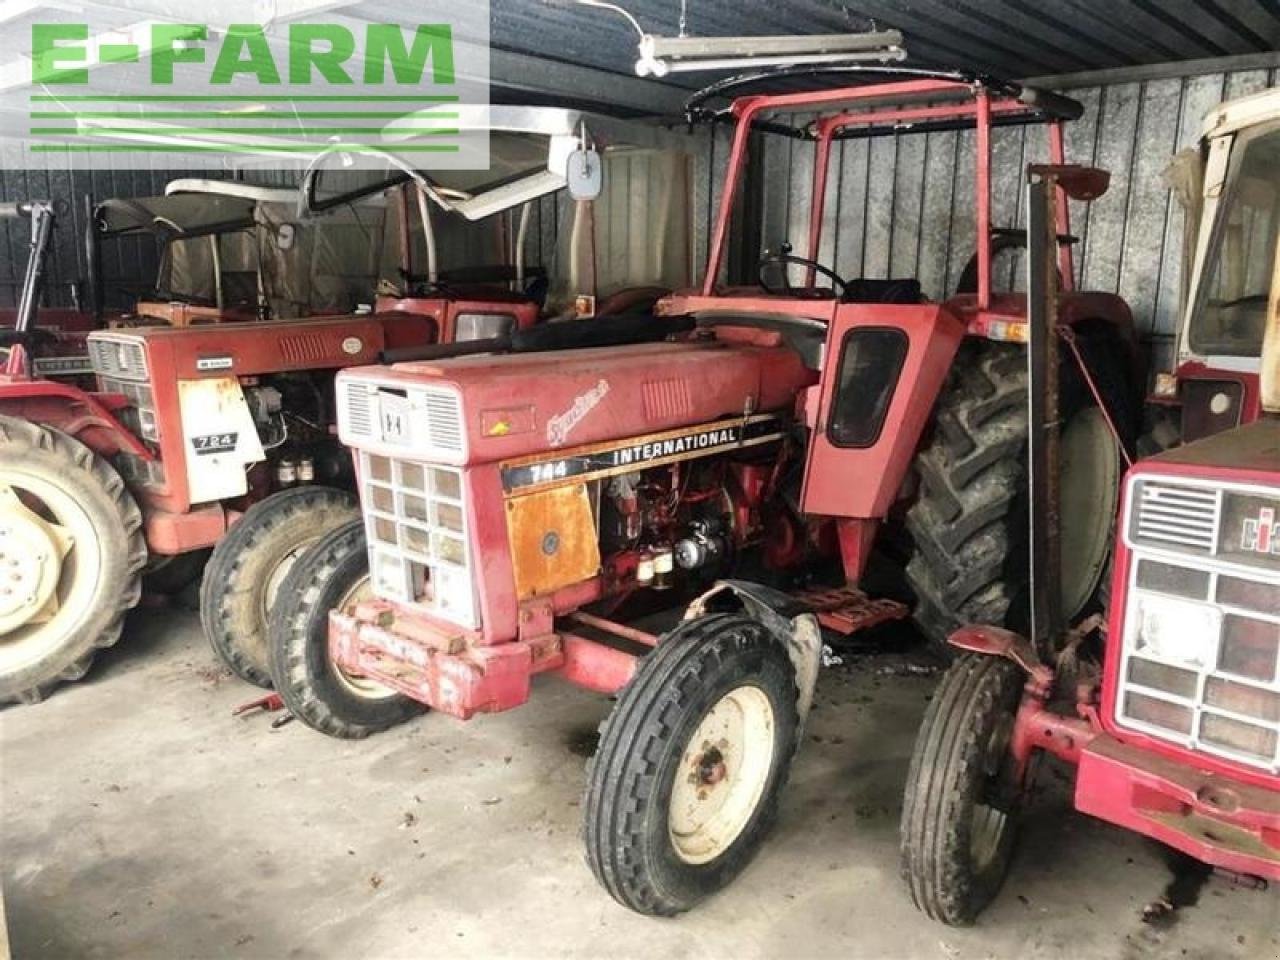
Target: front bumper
1218 820
441 670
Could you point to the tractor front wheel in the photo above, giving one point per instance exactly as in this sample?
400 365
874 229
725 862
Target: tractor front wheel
332 575
244 574
685 782
71 558
959 814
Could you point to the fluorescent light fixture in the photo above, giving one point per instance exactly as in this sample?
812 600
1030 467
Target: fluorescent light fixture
660 56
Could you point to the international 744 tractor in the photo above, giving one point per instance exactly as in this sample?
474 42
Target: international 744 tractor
513 498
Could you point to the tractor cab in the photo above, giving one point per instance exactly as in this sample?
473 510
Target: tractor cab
1231 188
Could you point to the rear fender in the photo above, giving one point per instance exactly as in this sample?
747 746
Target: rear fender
86 416
783 616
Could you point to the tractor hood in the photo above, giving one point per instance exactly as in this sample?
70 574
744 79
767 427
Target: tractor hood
472 410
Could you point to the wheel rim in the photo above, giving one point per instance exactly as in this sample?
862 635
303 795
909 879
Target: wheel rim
990 823
354 683
277 575
1090 485
50 565
722 775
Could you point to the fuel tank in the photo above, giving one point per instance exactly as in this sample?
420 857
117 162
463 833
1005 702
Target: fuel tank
480 409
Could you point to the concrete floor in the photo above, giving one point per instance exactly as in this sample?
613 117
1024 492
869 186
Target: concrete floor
141 819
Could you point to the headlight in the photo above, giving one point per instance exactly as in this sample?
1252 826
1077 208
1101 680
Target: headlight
482 326
1174 630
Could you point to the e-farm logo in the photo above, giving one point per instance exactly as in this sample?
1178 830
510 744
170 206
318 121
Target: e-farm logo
266 89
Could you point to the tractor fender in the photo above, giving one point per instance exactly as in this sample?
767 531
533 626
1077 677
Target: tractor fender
86 416
791 622
998 642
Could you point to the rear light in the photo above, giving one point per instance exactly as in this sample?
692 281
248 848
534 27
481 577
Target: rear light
1200 655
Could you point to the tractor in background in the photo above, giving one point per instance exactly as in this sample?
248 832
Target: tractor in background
220 433
1168 707
739 446
1228 188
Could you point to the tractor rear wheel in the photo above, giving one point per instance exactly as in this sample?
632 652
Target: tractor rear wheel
244 574
968 525
959 813
71 558
332 575
684 785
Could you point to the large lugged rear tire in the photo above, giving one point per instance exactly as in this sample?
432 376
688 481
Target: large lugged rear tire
959 814
71 557
684 785
970 476
244 574
332 575
968 525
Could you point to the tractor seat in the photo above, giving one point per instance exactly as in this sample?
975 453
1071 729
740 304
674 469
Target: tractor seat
863 290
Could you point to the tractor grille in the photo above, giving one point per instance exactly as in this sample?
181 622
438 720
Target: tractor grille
360 406
417 530
117 357
425 421
1200 654
1178 515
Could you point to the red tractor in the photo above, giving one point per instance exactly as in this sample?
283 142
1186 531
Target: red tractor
204 433
512 499
194 430
1169 708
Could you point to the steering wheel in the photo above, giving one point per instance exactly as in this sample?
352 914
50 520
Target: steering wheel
785 259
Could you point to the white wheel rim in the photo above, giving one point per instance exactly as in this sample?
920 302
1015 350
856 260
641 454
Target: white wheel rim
277 575
721 775
354 683
78 574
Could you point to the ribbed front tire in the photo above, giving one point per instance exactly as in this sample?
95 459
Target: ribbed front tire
684 785
960 808
248 566
333 574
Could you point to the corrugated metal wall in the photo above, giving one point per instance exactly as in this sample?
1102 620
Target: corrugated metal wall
903 206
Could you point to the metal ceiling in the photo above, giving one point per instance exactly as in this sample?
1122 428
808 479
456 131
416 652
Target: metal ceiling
1007 38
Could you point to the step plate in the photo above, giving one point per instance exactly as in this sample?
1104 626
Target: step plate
847 611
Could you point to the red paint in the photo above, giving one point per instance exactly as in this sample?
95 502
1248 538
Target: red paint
1255 461
595 666
484 679
712 380
863 483
1221 820
1226 814
983 193
169 534
972 103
